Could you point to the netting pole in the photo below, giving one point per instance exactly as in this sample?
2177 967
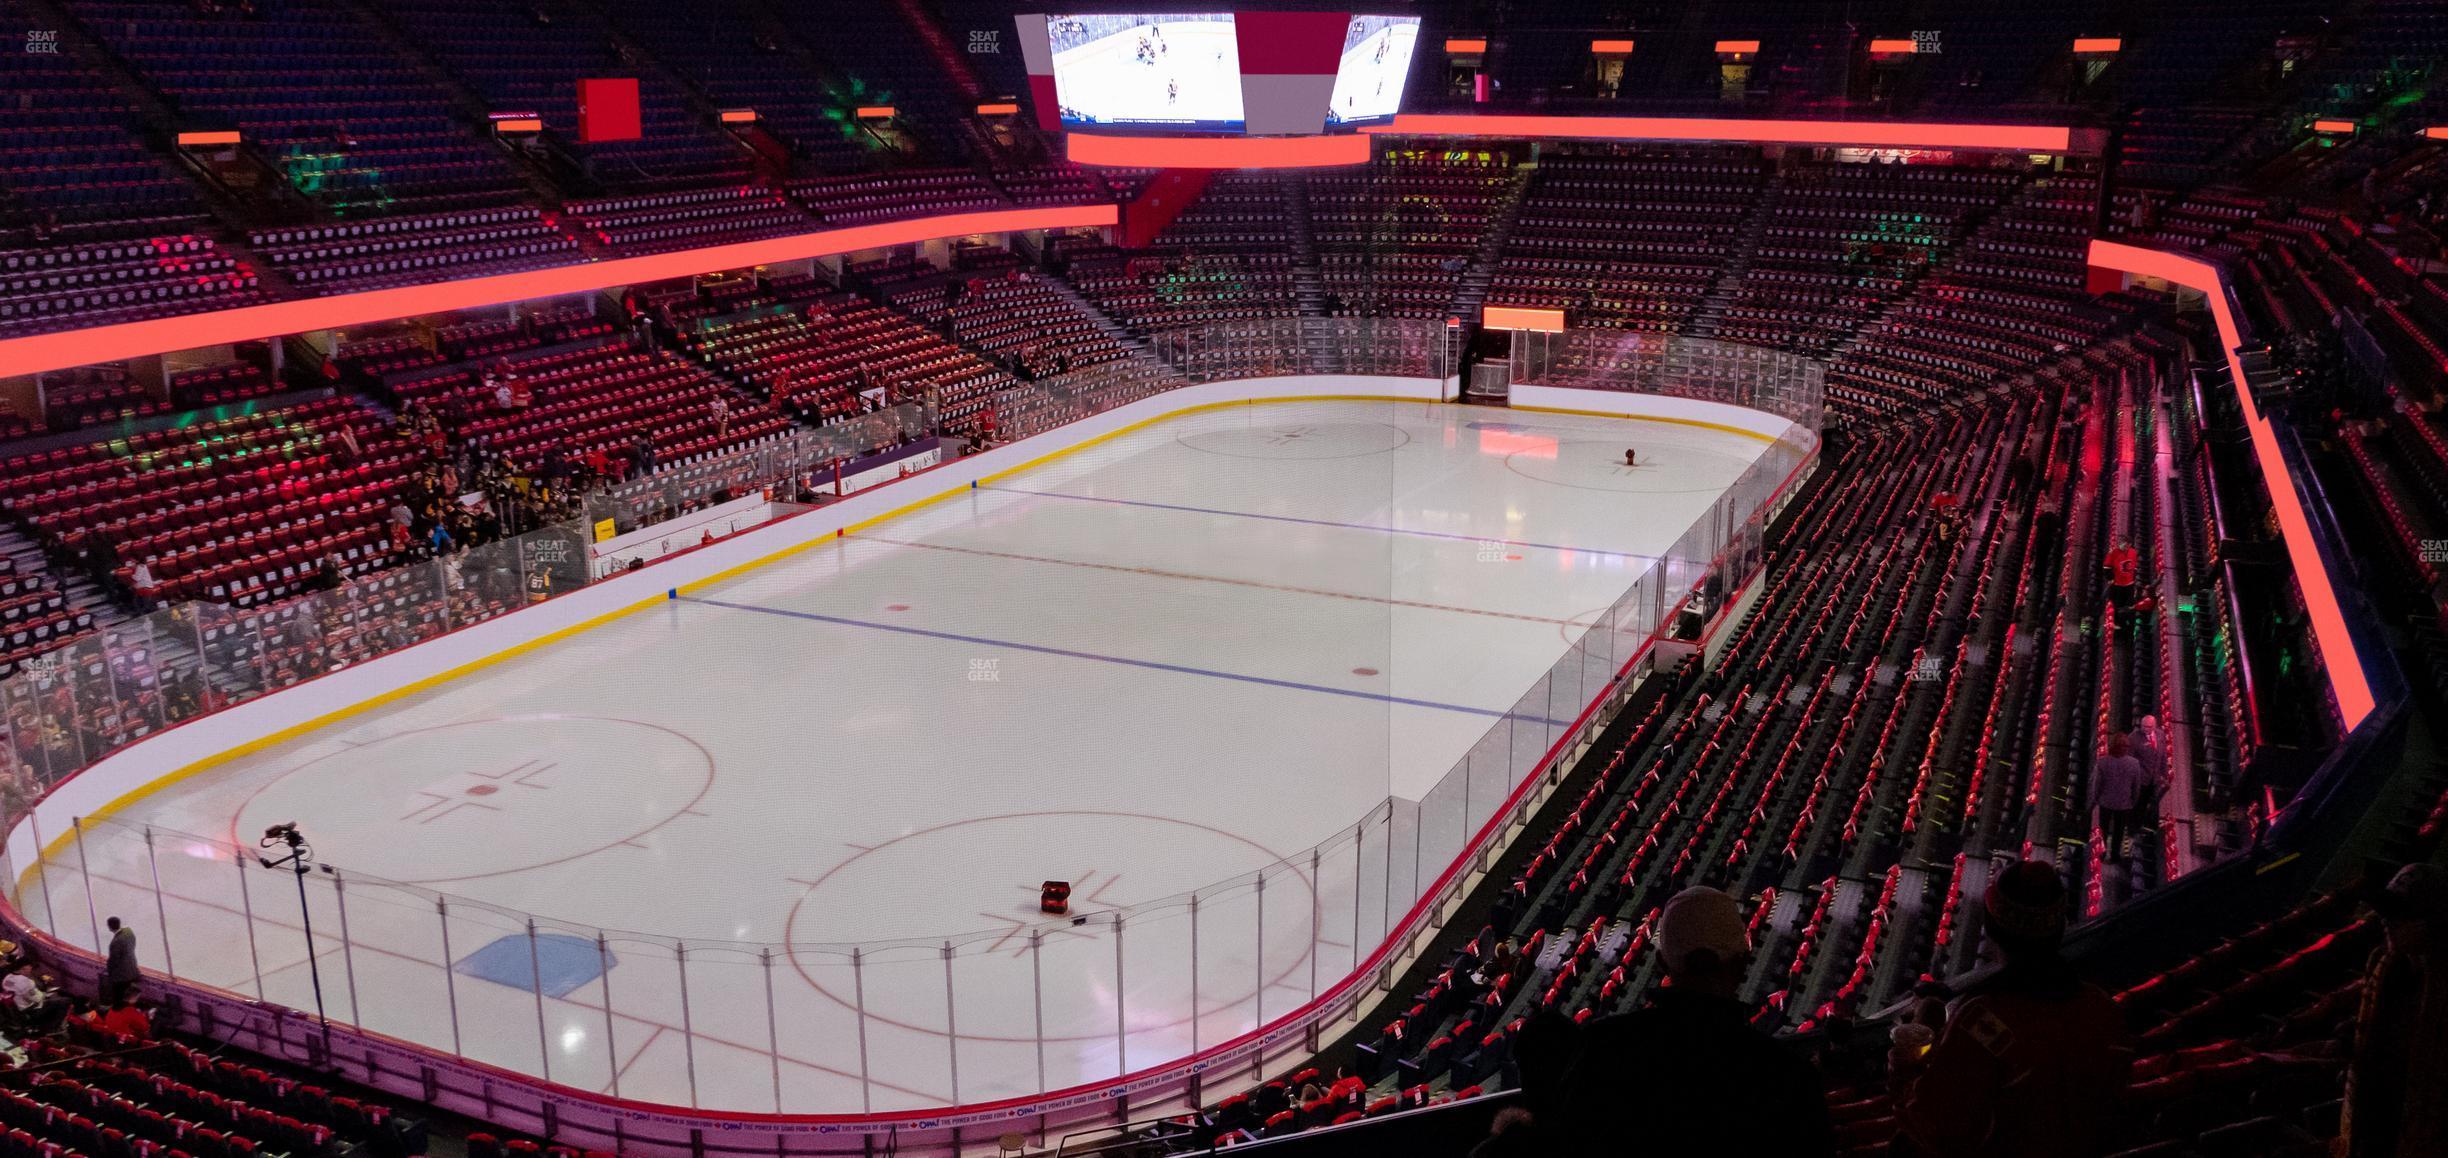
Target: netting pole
450 976
93 923
1359 858
8 864
348 955
1385 914
1317 916
603 974
535 966
161 912
1121 1001
1419 836
951 1024
1194 973
42 867
773 1027
246 906
1037 994
1262 977
858 991
688 1027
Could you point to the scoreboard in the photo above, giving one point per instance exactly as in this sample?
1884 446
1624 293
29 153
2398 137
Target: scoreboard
1253 73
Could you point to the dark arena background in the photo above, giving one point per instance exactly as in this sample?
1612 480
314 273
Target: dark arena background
711 578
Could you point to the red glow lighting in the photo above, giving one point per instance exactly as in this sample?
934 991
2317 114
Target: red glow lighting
2346 676
1507 443
1865 134
1219 152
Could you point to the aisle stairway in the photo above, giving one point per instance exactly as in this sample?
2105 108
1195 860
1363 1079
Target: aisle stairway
1471 296
1308 286
1712 308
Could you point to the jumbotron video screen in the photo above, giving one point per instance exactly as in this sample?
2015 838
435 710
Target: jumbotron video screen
1176 71
1376 59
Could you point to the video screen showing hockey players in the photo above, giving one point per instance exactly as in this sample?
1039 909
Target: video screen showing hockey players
1176 71
1376 60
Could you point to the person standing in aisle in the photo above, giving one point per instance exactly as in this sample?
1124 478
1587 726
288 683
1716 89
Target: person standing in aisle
119 970
2150 748
2118 788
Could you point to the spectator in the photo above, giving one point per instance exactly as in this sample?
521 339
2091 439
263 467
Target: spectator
78 1012
1945 515
1685 1074
22 996
2149 746
125 1020
2117 787
119 971
1502 959
2032 1058
2394 1108
2124 571
402 520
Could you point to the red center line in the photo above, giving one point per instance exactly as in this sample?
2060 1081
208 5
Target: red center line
1195 577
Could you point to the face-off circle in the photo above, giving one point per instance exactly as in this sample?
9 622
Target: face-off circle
907 887
485 798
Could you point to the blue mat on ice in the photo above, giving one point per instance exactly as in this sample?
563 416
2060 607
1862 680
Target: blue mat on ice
564 963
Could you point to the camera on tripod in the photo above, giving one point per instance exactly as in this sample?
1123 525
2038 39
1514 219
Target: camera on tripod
286 833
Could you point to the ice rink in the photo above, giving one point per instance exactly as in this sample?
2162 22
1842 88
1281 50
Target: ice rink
1185 653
